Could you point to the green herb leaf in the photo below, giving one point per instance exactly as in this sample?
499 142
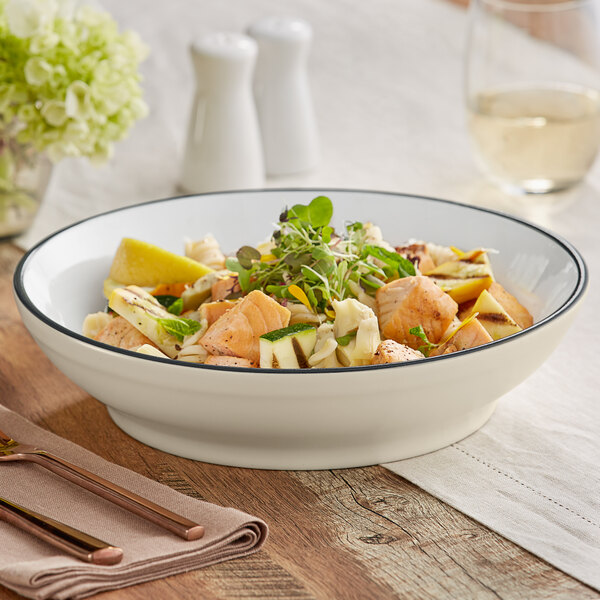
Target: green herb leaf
397 262
310 294
344 340
246 255
277 290
372 283
165 299
319 252
173 304
299 211
405 267
176 307
428 346
297 260
356 226
321 211
419 332
233 264
179 327
318 213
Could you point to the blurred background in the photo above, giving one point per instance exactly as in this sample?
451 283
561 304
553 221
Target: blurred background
387 81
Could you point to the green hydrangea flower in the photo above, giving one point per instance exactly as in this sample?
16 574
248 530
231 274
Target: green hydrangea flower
68 77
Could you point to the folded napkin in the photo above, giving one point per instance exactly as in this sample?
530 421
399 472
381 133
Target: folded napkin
37 570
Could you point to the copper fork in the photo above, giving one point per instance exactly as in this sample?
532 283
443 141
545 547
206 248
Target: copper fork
13 450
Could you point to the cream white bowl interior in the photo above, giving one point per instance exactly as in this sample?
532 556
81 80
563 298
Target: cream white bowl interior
309 419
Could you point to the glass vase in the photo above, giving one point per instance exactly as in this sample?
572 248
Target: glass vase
24 177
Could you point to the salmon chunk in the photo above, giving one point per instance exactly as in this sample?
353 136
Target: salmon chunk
229 361
390 351
418 254
236 332
122 334
225 287
211 311
412 301
468 336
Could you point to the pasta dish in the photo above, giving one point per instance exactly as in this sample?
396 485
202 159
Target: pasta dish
309 297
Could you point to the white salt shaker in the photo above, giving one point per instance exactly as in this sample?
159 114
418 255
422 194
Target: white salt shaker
223 149
282 94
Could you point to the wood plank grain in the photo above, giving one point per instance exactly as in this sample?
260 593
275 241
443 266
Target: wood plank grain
352 533
444 552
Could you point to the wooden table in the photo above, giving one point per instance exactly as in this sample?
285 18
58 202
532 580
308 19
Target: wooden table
348 533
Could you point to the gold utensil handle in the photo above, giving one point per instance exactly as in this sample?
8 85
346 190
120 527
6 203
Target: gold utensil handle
71 540
159 515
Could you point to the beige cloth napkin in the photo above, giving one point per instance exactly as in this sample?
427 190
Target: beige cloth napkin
37 570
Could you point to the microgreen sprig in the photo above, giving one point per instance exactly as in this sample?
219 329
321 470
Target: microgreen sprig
309 256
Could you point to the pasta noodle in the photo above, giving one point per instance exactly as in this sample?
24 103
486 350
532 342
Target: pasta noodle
362 296
207 251
374 237
150 351
94 323
192 351
324 356
440 254
301 314
193 354
353 316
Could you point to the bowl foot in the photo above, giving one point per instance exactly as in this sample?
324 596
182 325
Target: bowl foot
254 451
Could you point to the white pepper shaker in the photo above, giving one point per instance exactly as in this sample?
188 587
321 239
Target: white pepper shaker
282 94
223 149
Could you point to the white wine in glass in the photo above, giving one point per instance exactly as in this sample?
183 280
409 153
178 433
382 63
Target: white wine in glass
533 99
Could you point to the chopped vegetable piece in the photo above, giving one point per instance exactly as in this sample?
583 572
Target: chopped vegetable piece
145 313
463 290
199 291
143 264
273 336
170 289
288 348
344 340
493 317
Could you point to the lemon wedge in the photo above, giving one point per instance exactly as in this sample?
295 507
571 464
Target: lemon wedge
146 265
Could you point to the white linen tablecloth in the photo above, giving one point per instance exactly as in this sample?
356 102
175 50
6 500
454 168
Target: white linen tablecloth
386 80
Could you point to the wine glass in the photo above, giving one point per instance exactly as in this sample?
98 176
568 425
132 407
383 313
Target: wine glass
533 90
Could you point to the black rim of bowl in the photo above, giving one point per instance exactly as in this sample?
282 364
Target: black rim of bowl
577 293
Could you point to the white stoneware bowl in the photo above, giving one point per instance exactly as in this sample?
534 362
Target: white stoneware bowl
315 419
